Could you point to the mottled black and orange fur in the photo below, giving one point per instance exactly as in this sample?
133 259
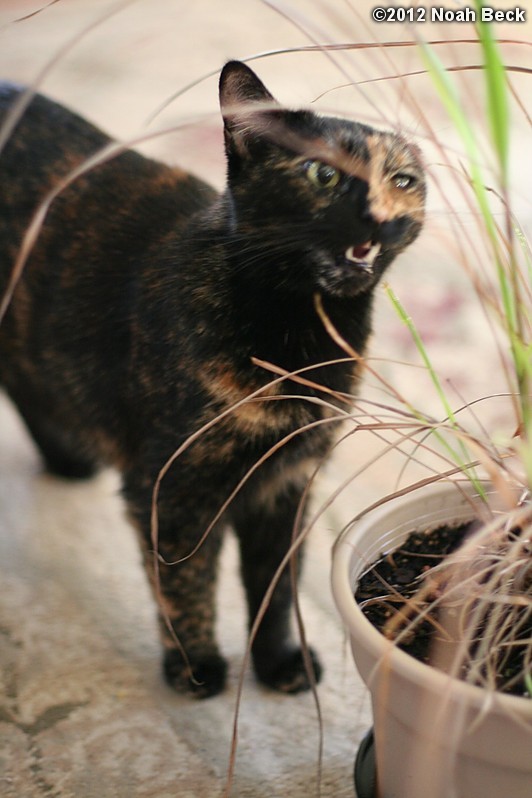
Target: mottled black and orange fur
142 305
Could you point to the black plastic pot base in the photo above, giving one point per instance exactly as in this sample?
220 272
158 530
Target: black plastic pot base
365 771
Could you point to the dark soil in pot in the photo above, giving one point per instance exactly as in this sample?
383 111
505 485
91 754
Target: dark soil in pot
396 578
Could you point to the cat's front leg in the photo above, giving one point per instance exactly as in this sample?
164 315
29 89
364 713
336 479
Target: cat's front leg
182 574
265 534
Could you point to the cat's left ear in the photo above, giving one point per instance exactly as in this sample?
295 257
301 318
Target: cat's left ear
244 102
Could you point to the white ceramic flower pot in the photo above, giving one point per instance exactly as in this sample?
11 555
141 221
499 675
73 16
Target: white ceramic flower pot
435 736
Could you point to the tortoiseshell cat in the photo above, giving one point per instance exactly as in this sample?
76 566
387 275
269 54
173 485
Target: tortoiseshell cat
143 302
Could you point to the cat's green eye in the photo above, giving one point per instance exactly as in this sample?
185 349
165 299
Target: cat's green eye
402 180
322 174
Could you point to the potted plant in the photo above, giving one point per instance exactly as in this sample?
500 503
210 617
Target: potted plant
435 734
450 727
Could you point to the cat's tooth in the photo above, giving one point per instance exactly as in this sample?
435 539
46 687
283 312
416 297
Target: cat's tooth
367 261
373 254
348 254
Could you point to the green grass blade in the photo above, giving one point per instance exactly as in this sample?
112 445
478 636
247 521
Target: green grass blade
461 457
412 329
497 93
451 101
497 112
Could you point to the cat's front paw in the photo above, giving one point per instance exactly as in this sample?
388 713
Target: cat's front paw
287 673
203 677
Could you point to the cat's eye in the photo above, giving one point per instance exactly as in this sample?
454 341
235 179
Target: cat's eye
402 180
322 174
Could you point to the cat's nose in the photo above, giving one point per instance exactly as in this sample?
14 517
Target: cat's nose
370 223
391 230
380 224
379 215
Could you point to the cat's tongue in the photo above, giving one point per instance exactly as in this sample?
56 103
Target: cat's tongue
363 254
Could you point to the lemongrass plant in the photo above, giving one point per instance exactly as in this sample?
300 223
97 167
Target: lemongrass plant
481 597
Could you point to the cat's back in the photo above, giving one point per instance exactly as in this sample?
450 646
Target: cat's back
44 141
45 121
105 191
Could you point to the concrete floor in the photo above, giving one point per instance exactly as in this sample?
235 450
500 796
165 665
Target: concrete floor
83 710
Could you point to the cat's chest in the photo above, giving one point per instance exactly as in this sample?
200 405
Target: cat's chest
267 434
261 407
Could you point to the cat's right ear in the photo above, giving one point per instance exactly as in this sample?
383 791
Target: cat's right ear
244 102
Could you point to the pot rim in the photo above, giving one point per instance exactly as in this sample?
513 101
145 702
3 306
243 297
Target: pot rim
349 561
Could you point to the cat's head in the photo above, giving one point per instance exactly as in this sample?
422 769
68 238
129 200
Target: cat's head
329 202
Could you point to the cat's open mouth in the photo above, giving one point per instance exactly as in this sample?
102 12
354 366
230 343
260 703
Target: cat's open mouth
363 255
